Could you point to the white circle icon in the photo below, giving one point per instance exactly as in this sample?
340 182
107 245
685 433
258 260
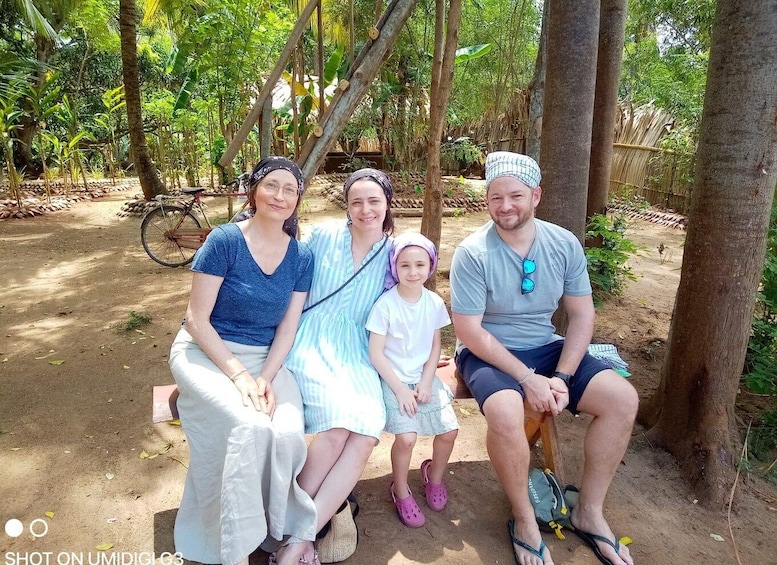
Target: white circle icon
14 528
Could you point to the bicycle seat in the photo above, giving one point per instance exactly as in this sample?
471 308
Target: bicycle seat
193 189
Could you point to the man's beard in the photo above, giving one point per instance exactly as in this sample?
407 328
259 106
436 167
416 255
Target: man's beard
512 222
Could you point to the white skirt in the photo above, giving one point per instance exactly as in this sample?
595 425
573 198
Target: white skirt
432 419
241 489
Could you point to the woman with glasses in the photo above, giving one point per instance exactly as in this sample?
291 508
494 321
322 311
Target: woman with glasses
240 407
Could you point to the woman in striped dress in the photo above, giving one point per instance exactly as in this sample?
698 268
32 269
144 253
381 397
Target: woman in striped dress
341 391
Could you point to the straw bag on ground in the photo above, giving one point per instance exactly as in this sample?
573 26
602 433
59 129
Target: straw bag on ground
338 538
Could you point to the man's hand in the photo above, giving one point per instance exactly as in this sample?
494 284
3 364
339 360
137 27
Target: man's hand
560 392
539 394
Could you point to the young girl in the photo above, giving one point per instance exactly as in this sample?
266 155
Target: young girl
404 330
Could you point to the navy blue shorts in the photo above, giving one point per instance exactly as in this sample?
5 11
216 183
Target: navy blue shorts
483 380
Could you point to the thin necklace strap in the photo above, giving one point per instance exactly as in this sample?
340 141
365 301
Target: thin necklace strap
369 260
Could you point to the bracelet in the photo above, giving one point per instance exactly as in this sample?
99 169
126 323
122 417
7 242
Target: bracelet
527 377
236 375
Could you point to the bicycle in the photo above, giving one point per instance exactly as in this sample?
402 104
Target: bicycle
171 233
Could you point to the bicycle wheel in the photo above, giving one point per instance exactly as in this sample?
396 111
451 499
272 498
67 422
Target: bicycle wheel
158 235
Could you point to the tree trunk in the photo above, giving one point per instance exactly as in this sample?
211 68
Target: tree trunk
537 91
446 38
144 166
612 34
569 101
735 176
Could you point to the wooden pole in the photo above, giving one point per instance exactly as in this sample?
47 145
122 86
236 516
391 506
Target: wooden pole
368 64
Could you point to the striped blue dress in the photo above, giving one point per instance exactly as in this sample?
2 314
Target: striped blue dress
330 357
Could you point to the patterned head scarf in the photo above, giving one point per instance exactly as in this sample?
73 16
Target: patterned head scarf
273 163
509 164
371 174
398 245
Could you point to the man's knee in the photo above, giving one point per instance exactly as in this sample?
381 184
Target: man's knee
610 395
629 402
504 412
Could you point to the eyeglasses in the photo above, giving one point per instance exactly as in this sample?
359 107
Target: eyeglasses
527 285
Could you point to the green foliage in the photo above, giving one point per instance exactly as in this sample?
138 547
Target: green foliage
666 55
760 369
607 263
763 439
135 320
472 52
462 152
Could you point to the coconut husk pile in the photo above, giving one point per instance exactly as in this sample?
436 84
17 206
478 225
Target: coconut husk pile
138 206
35 202
408 193
652 215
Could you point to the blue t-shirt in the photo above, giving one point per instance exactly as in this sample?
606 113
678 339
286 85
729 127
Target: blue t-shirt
486 279
250 304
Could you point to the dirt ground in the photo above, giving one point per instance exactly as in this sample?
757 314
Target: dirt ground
75 416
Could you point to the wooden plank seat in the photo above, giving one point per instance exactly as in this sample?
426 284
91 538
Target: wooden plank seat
537 425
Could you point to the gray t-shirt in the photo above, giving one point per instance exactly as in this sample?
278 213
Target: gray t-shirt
486 277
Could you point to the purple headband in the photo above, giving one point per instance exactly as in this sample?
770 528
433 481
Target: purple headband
400 242
374 175
273 163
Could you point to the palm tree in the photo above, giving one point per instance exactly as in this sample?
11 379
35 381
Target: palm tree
144 166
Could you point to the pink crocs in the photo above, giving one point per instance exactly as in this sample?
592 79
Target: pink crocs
436 494
409 512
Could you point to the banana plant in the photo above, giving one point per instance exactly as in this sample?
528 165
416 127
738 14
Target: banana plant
43 102
307 97
69 118
114 103
58 157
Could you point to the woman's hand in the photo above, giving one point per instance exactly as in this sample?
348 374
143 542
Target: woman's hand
423 392
406 400
257 392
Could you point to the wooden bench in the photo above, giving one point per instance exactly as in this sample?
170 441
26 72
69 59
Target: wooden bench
536 425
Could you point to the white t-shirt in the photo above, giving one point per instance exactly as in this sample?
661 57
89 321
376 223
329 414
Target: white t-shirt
409 329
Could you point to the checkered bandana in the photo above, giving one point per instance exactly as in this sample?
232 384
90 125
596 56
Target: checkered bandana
509 164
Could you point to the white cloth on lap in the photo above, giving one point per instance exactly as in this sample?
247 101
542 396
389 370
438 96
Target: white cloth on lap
241 489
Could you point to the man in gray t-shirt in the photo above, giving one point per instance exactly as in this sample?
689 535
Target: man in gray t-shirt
507 279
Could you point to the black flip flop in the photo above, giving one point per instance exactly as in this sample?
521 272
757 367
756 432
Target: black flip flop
536 552
591 539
